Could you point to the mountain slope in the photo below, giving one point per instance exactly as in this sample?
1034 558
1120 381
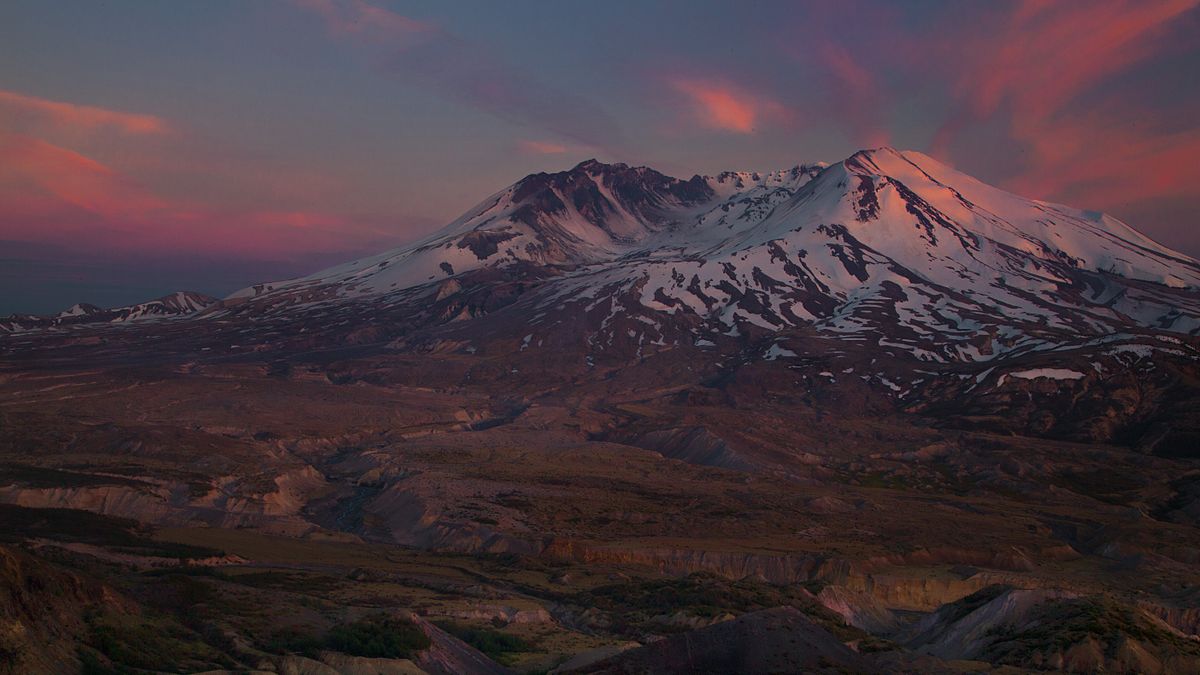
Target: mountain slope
884 247
876 245
588 214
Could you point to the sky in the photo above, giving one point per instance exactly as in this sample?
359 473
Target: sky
148 147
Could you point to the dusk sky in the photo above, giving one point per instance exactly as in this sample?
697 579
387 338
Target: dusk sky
147 147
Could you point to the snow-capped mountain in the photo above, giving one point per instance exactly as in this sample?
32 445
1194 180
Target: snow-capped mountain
884 246
887 278
178 304
593 213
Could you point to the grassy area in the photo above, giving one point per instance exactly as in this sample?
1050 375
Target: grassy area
122 643
497 645
378 636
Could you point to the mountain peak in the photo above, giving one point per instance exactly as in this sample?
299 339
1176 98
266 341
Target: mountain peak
179 303
600 193
810 246
876 160
78 309
594 165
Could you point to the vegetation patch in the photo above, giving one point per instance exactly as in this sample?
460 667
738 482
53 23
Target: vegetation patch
496 645
304 642
119 643
378 636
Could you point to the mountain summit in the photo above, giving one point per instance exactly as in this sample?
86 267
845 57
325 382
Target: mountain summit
884 245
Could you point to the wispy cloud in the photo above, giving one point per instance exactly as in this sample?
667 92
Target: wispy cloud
1043 54
463 71
467 73
856 93
720 104
30 111
53 189
32 170
360 20
52 195
1099 160
1035 64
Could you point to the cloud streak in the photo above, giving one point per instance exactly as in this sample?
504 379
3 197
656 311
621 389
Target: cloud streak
33 168
50 193
1044 53
360 20
722 105
16 108
856 95
1035 65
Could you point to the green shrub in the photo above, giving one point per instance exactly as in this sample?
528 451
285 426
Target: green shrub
378 636
294 641
151 643
491 642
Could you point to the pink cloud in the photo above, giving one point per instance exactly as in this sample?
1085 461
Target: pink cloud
1045 53
32 168
60 185
1032 66
361 20
263 234
1038 97
38 175
299 220
857 95
724 106
1099 161
852 77
53 195
36 111
56 189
